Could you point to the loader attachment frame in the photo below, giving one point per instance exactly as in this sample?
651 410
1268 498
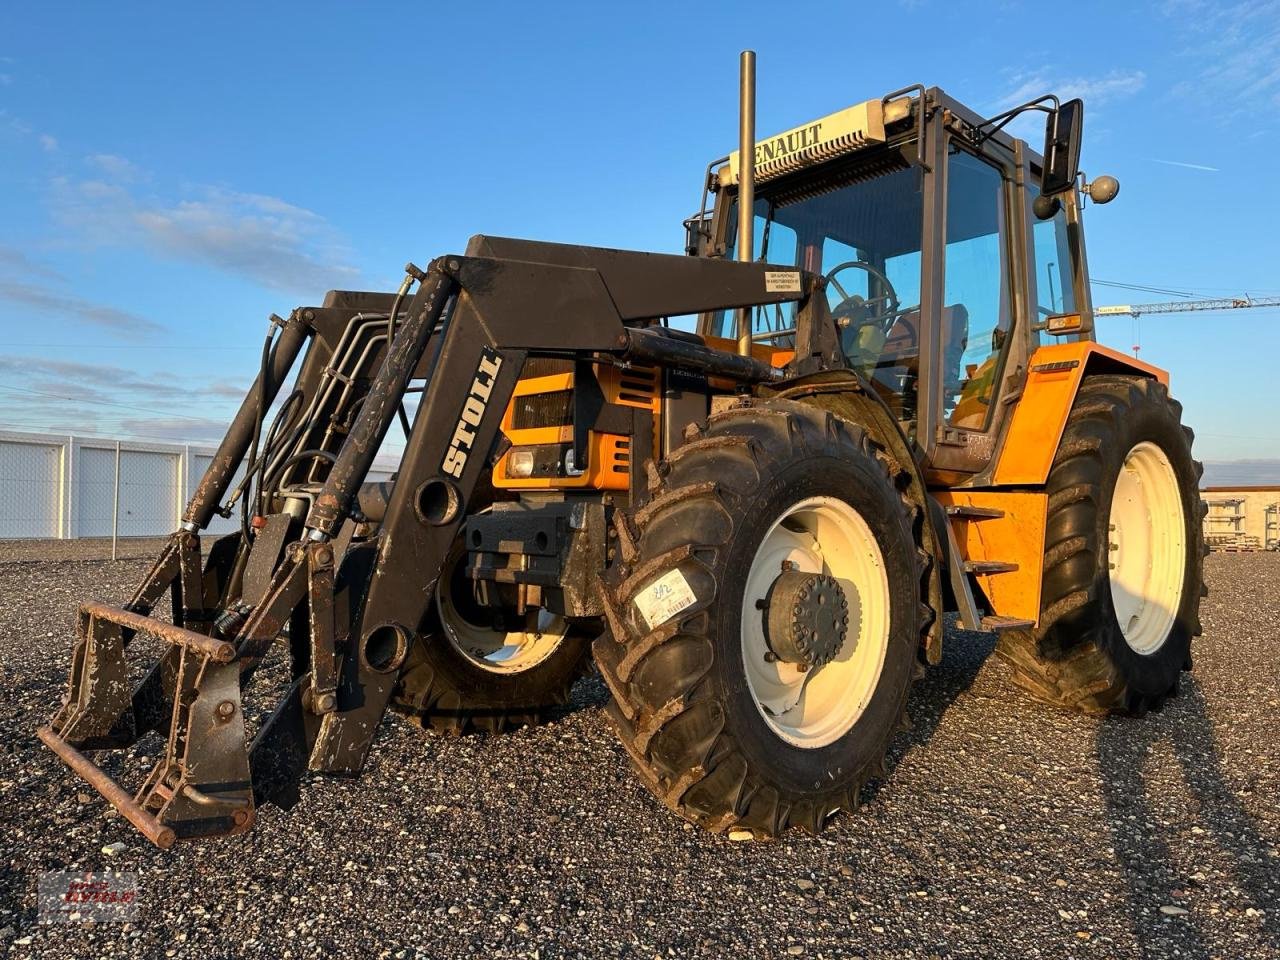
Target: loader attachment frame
350 608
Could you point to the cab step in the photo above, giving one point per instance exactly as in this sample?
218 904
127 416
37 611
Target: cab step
996 624
965 511
983 567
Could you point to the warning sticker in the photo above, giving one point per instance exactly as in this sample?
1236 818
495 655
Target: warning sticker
664 598
781 281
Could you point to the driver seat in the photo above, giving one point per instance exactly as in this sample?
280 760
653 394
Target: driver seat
901 350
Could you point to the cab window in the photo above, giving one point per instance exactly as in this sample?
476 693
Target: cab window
861 228
976 316
1055 290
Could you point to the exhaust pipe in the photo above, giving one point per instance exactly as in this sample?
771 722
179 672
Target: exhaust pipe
746 181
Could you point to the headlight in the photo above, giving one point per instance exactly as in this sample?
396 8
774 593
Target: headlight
520 463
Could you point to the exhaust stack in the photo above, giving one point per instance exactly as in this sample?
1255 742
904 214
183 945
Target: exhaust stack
746 180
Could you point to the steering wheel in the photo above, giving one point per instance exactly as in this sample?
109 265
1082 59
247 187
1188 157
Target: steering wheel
857 311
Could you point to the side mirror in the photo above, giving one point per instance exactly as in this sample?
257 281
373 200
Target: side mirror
696 233
1062 148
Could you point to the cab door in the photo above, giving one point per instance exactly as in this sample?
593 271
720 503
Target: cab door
979 309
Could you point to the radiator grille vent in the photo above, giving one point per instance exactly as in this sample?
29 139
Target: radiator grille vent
542 410
638 384
545 367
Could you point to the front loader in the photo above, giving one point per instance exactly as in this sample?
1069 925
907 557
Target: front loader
890 406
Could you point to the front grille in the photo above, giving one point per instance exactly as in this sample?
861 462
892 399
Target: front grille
542 410
545 367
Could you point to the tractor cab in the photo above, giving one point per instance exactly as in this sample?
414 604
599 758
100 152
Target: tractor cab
941 277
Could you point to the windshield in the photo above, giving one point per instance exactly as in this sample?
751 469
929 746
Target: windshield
863 232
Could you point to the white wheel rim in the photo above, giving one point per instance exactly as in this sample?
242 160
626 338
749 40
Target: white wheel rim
1147 548
819 535
494 650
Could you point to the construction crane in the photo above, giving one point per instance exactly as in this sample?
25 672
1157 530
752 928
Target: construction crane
1137 310
1180 306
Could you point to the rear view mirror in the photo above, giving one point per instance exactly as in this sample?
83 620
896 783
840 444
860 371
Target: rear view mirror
1062 148
696 232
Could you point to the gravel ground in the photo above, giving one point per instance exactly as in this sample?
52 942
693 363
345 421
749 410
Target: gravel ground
1005 829
89 548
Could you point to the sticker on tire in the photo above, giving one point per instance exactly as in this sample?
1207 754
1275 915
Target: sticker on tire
664 598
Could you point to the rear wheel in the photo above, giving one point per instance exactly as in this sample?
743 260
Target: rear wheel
476 667
766 629
1123 569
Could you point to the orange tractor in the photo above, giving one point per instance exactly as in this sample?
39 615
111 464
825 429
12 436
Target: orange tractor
748 483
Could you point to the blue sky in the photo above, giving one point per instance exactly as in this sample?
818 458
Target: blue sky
169 178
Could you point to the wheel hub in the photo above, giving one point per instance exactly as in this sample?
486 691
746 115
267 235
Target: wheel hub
808 618
1147 548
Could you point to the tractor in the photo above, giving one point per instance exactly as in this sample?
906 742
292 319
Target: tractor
748 484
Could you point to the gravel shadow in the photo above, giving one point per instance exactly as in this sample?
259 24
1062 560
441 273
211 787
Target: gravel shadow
1138 824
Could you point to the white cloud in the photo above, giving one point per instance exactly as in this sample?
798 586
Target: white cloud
1094 91
72 396
43 299
118 168
38 290
264 238
1234 50
1189 166
16 262
14 124
20 128
66 374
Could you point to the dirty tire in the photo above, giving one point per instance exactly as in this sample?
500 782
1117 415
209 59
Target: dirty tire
681 704
443 690
1078 657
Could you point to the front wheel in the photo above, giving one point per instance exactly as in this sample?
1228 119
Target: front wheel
477 667
765 633
1123 568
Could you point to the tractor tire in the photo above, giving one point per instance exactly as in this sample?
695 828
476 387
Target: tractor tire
689 683
449 687
1124 555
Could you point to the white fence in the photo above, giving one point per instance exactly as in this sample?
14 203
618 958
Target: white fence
62 487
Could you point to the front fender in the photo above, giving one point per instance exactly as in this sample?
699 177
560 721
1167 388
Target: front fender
1053 377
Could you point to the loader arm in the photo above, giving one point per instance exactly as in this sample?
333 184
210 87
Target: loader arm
354 610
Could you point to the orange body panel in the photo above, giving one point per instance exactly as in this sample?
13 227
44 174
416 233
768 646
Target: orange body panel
1017 537
774 356
609 454
1053 377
